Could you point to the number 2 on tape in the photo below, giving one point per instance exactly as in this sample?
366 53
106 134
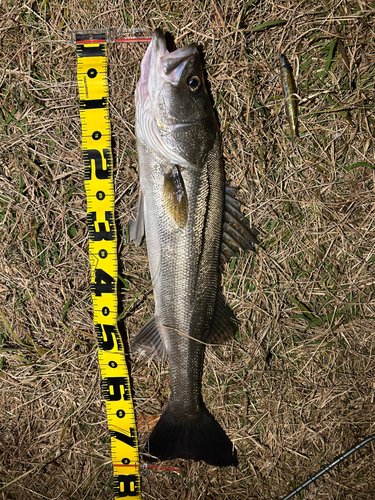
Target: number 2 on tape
97 155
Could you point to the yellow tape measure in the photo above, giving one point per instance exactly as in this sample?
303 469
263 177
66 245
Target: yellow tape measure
97 155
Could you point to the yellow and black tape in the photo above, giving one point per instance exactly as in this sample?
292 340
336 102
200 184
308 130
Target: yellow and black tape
97 154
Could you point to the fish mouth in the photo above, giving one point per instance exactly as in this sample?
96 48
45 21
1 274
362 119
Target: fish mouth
160 65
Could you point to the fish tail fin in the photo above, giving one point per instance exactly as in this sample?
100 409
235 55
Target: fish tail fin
199 437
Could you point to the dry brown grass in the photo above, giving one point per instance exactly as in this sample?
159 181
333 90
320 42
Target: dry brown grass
296 387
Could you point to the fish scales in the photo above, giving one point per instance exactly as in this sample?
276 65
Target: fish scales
184 270
181 211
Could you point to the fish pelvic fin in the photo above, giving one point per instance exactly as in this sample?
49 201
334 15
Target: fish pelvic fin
197 437
237 233
149 342
137 225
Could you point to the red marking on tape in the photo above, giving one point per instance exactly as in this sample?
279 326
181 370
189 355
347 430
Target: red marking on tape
90 41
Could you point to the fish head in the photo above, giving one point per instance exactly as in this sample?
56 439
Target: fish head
174 115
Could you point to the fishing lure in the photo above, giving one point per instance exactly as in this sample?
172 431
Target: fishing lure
289 89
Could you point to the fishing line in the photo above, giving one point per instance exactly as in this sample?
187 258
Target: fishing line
92 64
183 334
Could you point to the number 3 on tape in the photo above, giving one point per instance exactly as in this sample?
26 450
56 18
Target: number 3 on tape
97 154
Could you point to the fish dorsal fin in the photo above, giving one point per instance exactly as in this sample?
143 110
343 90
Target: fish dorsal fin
224 323
148 341
137 225
236 229
175 198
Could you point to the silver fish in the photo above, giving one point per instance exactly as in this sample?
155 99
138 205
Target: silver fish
191 223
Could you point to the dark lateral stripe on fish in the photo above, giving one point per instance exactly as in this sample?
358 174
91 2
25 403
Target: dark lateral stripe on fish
289 90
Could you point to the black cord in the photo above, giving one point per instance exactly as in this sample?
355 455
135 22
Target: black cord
329 467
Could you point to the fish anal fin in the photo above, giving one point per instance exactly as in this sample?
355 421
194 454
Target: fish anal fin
149 342
224 323
137 225
175 198
237 233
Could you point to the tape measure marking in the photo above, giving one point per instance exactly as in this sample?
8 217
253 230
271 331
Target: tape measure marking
98 162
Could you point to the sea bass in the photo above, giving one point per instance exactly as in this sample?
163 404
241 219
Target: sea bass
191 223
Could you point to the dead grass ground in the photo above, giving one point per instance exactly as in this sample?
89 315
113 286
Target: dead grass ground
296 388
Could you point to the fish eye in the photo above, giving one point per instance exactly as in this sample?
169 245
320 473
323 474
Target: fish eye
194 83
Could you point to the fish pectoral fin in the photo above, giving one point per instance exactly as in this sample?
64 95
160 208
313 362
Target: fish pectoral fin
224 323
237 233
137 225
175 198
149 342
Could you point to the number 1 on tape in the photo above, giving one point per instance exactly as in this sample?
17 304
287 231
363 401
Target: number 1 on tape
97 155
